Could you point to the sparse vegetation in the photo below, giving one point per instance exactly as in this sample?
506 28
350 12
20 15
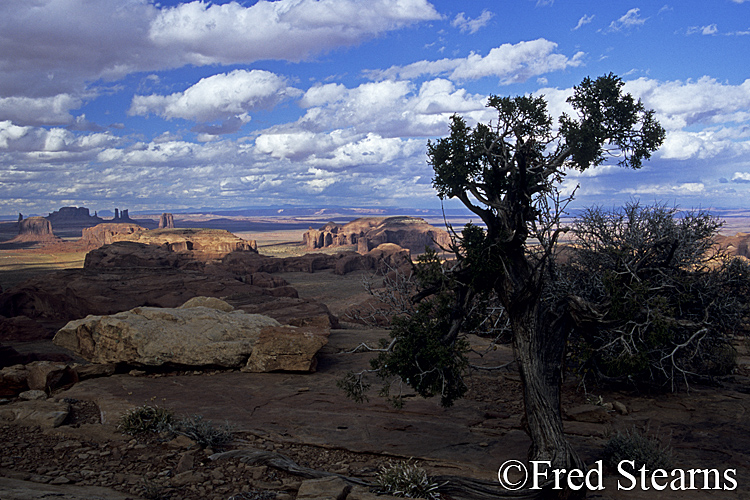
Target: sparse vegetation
408 480
146 418
203 432
154 419
639 447
154 491
254 495
657 301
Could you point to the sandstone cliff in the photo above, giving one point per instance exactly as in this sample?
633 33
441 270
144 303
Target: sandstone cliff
209 243
107 233
412 233
166 221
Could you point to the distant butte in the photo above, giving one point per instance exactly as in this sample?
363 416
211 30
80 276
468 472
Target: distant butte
412 233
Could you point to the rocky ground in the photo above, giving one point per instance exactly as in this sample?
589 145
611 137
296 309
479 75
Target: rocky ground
307 419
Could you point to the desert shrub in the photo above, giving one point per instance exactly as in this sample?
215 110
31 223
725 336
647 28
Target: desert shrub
639 447
406 479
203 432
254 495
144 419
657 302
154 491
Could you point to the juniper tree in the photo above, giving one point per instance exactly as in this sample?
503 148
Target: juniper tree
508 173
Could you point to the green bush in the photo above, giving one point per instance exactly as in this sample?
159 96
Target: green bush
145 419
406 480
642 449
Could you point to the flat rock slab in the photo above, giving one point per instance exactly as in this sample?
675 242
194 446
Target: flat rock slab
17 489
46 414
311 409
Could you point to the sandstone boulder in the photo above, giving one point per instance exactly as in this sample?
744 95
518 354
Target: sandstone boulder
193 336
210 302
326 488
286 348
47 375
13 380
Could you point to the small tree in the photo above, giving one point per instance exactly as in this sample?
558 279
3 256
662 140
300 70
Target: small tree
507 174
667 299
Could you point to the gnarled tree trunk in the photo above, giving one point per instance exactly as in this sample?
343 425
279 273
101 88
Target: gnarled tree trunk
539 339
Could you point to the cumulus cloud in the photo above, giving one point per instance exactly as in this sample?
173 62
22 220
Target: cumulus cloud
679 104
53 110
52 48
203 33
471 25
37 142
511 63
388 108
230 97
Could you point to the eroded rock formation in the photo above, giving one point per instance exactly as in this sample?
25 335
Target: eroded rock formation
412 233
209 243
107 233
35 229
73 216
166 221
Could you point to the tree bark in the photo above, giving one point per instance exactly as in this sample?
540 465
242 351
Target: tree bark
539 338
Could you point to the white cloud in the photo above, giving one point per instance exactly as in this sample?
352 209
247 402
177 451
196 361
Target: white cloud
219 97
511 63
686 188
204 33
472 25
630 19
54 48
53 110
584 20
710 29
389 108
704 101
31 142
741 177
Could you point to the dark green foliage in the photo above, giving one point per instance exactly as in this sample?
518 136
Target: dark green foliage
421 359
605 115
146 419
668 299
642 449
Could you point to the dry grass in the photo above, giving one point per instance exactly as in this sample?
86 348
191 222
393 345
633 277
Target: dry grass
17 266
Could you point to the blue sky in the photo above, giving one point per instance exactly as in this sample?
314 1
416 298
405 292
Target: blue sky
169 105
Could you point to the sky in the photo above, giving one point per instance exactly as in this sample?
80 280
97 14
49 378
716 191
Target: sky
168 105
